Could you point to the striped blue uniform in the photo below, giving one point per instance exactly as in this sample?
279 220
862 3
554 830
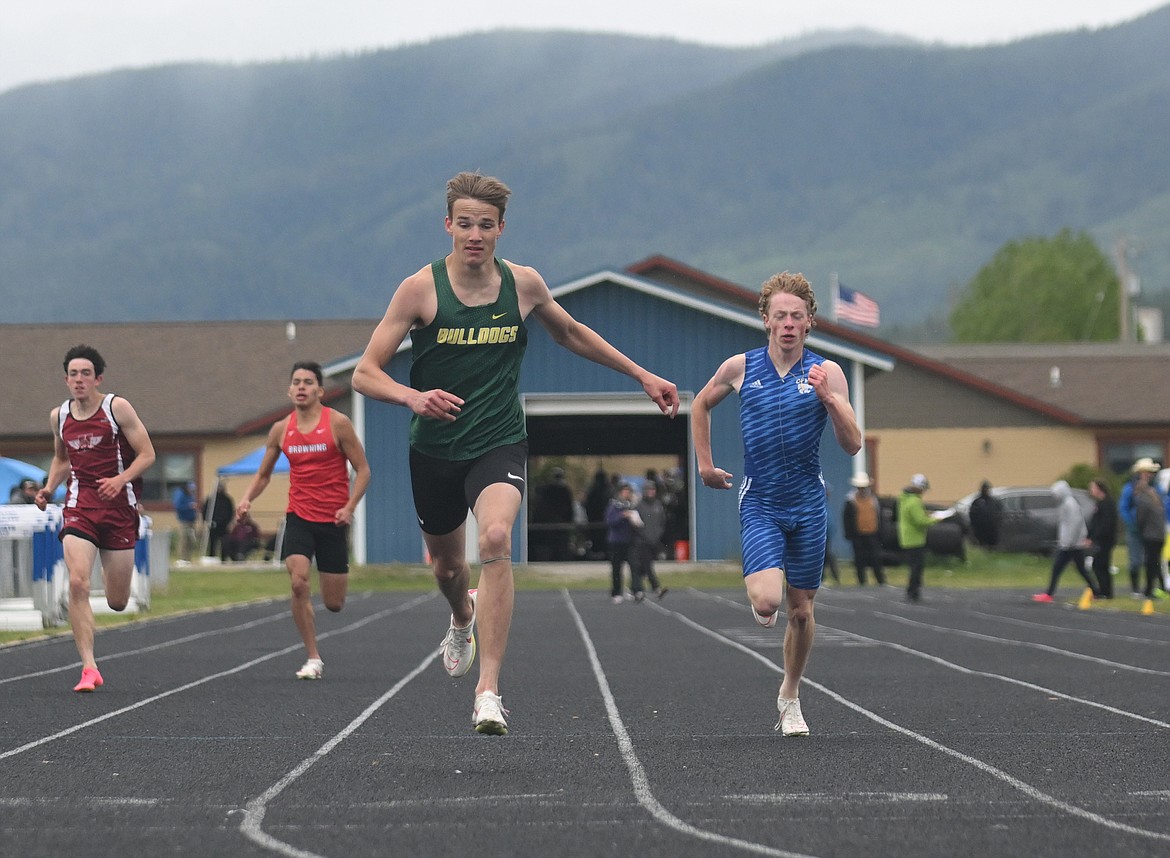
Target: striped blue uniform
782 511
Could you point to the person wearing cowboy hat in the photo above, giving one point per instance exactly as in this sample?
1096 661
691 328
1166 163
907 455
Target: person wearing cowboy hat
862 517
1143 471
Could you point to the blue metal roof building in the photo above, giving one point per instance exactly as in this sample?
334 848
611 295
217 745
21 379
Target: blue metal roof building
678 333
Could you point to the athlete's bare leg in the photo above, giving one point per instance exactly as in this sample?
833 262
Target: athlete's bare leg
298 566
767 590
798 639
495 513
333 589
79 557
117 576
452 574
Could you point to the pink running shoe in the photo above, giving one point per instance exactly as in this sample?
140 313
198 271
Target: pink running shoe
90 679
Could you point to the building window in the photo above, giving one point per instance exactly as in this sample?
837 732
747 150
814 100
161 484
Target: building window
169 471
1119 456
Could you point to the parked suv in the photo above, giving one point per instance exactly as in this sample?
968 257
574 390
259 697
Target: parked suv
1028 523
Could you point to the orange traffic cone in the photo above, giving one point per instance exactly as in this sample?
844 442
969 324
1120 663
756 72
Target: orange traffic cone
1147 607
1086 600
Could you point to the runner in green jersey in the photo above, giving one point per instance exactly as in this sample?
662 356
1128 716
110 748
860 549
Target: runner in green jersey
465 316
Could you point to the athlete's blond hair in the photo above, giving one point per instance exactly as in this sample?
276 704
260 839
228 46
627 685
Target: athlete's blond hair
792 284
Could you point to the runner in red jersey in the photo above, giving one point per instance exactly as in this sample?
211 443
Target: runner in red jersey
320 444
102 449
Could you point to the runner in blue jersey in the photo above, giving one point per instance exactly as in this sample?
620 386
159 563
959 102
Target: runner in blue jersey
786 393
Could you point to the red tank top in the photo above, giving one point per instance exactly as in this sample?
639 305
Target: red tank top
318 479
97 449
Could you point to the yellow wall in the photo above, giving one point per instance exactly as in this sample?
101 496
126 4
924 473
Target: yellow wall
955 461
268 509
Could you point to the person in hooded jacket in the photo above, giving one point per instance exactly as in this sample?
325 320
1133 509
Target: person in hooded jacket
1070 541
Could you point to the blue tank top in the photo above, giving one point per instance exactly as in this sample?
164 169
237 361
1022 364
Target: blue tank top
782 421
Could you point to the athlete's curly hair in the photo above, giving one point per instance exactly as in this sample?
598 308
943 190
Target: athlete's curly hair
793 284
90 354
476 186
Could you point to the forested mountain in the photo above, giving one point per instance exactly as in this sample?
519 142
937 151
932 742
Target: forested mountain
310 189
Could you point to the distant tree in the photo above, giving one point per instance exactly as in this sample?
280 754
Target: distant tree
1040 290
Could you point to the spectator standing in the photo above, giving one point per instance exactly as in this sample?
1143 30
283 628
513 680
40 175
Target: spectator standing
1102 537
861 517
553 506
598 496
1151 524
187 512
913 522
985 514
219 510
621 520
1143 471
1071 537
647 542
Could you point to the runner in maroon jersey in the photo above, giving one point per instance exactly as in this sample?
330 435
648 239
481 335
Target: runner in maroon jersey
318 442
102 449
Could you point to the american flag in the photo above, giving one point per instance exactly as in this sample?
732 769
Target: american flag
852 306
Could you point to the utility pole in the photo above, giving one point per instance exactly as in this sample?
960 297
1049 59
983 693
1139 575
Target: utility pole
1129 286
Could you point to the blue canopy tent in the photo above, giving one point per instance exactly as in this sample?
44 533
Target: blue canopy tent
250 464
244 466
12 471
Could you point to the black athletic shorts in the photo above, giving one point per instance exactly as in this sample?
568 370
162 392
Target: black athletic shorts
444 491
326 541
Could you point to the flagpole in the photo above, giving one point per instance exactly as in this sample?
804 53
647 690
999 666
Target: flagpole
834 294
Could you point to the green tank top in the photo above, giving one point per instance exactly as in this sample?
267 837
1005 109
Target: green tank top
475 353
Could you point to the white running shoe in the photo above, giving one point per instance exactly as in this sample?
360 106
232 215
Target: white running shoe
314 668
488 715
766 622
790 722
459 644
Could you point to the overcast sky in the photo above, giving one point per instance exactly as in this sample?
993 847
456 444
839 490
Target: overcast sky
51 39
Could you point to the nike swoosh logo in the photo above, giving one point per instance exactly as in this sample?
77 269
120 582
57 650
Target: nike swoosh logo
512 476
499 316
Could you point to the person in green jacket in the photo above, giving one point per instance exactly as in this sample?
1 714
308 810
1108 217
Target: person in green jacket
913 522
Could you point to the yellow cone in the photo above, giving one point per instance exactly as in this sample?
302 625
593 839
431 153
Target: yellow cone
1148 607
1086 601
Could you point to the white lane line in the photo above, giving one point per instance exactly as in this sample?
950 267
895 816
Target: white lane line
1095 633
836 798
68 731
254 811
1011 680
638 778
138 624
251 624
1000 775
1025 644
92 801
